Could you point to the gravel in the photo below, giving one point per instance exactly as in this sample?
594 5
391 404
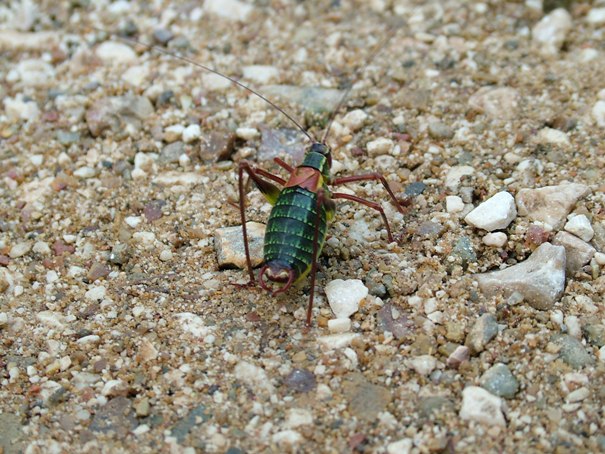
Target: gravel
120 329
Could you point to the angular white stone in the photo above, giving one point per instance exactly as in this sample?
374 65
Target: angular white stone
380 146
495 239
247 133
403 446
540 278
261 74
454 204
481 406
193 324
95 293
111 52
229 245
596 16
495 213
580 226
253 376
554 137
334 341
344 296
550 204
423 364
355 119
339 325
598 113
452 179
191 133
496 102
287 437
550 32
229 9
296 417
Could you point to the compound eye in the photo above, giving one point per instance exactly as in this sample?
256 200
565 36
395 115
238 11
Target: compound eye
320 148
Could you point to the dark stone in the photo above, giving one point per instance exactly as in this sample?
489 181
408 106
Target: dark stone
301 380
162 36
153 210
171 152
415 188
217 146
182 428
115 416
400 327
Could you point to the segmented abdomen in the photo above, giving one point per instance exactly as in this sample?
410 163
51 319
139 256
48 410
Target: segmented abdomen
290 229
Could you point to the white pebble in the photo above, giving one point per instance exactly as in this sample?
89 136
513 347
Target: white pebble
3 319
355 119
228 9
423 364
600 258
550 32
37 159
40 247
20 249
596 16
69 239
495 239
253 376
166 255
173 133
145 239
51 276
115 53
577 395
344 296
380 146
403 446
580 226
573 326
191 133
85 172
602 354
481 406
334 341
454 204
339 325
553 136
247 133
96 293
261 74
296 417
598 113
495 213
133 221
556 317
19 109
452 179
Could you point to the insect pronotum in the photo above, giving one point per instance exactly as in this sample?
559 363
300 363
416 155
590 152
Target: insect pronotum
297 225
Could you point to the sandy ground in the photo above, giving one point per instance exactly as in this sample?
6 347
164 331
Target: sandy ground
118 330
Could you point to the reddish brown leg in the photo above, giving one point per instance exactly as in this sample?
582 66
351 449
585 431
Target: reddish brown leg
369 177
284 164
320 203
373 205
266 188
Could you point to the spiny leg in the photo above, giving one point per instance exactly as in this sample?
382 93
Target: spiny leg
369 177
373 205
268 189
321 199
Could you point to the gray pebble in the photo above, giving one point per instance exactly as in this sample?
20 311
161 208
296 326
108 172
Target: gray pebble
482 332
500 381
171 152
439 130
595 334
573 352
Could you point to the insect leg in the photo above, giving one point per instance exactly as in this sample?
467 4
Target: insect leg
321 200
269 190
369 177
283 164
373 205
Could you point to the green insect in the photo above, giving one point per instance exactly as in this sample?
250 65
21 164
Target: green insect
297 226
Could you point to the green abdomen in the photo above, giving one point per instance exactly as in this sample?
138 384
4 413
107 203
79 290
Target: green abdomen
290 229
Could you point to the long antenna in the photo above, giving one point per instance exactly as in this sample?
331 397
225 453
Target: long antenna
357 76
209 69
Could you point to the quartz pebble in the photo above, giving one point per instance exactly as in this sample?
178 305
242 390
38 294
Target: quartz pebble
598 113
540 279
455 174
191 133
549 33
380 146
495 213
495 239
260 74
580 226
423 364
550 204
20 249
344 296
481 406
115 53
596 16
339 325
234 10
454 204
253 376
355 119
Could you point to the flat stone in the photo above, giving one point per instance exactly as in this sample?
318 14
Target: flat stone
482 332
229 245
481 406
495 213
540 279
550 204
578 252
365 399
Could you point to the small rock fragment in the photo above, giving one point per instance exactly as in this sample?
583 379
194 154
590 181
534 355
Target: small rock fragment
458 356
296 417
496 102
216 146
481 406
482 332
355 119
20 249
380 146
423 364
540 279
301 380
596 16
550 32
439 130
550 204
454 204
495 239
229 245
573 352
495 213
260 74
454 175
499 381
344 296
393 320
366 400
335 341
580 226
115 53
578 253
234 10
253 376
191 133
339 325
598 113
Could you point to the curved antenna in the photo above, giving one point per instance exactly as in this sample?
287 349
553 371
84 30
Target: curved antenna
357 75
213 71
